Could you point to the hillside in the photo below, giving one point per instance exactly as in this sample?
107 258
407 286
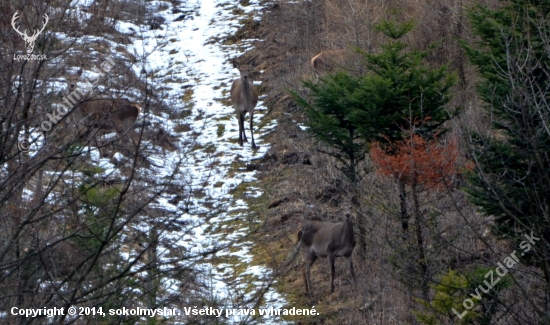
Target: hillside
125 192
150 217
302 183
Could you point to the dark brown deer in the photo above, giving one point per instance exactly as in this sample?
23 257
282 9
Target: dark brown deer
57 261
105 115
328 240
244 98
332 60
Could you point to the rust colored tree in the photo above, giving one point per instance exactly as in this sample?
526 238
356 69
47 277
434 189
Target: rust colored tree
419 163
423 166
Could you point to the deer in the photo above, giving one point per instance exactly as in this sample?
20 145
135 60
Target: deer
59 260
244 98
29 40
328 240
103 114
331 61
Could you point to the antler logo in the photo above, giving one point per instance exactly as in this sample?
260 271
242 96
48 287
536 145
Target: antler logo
29 40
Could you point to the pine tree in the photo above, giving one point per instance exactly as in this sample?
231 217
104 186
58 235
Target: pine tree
403 93
400 92
333 99
511 180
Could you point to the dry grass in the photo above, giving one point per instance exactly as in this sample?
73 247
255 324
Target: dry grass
308 186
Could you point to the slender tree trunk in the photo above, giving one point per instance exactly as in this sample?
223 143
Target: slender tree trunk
404 213
352 170
546 270
152 274
361 224
422 265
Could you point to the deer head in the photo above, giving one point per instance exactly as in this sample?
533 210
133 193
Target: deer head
29 40
72 80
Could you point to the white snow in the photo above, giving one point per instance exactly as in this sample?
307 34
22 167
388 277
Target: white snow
185 51
188 53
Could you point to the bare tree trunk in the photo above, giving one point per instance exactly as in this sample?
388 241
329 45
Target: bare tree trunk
423 266
151 259
361 224
404 213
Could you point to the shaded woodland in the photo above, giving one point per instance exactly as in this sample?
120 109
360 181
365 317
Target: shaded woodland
435 133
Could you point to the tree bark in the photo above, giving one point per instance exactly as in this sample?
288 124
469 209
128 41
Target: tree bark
404 213
422 265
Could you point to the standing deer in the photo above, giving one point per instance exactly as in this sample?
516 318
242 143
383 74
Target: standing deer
244 98
105 115
328 240
331 61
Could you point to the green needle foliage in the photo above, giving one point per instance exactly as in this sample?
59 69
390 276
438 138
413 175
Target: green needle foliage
333 100
399 92
404 92
451 291
511 179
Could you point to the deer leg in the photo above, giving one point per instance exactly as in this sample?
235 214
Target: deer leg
304 276
350 265
330 258
106 148
129 138
243 118
309 260
251 131
101 148
133 137
122 133
240 118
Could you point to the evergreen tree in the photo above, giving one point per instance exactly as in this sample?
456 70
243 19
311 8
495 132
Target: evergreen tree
333 99
447 305
398 95
511 179
400 92
403 93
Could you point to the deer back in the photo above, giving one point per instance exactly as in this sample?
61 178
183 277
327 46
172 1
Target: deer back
333 60
322 238
107 114
104 113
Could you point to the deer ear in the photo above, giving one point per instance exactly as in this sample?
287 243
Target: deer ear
251 62
235 63
79 72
